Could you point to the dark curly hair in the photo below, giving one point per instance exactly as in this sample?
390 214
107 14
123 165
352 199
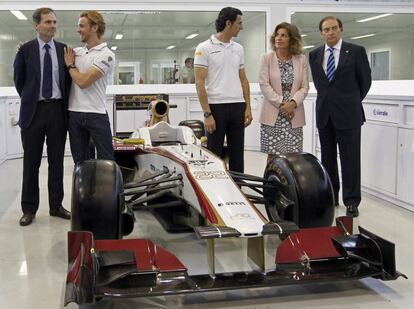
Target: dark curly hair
228 13
295 42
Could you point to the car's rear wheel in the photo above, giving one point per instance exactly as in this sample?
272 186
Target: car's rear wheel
304 192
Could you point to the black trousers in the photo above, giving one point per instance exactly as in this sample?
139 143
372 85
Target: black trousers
48 123
229 120
349 144
84 127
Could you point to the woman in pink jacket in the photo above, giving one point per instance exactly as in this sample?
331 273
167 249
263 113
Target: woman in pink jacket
284 84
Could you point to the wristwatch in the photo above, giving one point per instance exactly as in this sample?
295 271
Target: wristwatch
71 66
207 114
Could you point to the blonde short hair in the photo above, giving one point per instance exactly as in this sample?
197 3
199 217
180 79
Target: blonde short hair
95 18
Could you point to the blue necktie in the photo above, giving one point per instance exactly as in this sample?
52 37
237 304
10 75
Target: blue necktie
47 74
330 66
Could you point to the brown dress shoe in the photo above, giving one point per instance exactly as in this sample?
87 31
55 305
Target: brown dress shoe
26 219
61 213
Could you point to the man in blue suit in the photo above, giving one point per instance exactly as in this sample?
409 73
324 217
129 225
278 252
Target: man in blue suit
342 78
43 83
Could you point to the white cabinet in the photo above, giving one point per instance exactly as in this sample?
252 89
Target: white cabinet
252 132
406 165
379 156
13 138
308 136
194 110
178 113
129 120
382 112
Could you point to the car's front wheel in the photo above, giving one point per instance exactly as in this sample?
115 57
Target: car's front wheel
302 191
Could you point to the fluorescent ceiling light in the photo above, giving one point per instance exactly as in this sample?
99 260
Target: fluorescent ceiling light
303 35
373 18
114 47
119 36
362 36
6 37
308 46
170 47
19 15
191 36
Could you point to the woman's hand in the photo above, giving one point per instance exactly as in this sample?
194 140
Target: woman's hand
288 109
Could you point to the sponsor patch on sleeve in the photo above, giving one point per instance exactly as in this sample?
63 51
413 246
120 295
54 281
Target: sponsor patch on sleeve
199 53
105 62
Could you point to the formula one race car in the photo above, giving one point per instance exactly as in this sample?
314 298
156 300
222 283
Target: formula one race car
163 168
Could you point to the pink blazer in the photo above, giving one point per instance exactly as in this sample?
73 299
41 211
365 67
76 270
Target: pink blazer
271 87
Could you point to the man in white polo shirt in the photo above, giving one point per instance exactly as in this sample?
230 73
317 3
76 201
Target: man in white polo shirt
89 67
223 89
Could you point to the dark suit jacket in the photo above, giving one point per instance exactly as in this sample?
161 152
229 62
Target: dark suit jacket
341 99
27 79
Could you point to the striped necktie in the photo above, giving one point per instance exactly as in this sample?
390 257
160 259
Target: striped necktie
330 66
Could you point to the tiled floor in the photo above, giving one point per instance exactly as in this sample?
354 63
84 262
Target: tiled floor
33 259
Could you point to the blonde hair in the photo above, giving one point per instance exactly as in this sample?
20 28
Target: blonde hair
95 19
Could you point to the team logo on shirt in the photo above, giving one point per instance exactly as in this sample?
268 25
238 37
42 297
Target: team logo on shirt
109 59
199 53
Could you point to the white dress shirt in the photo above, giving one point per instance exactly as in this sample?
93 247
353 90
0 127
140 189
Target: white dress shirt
336 50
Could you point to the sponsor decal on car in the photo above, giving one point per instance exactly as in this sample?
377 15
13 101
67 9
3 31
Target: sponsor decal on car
204 175
231 204
241 216
199 162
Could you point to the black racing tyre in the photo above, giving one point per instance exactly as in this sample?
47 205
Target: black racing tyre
300 178
97 200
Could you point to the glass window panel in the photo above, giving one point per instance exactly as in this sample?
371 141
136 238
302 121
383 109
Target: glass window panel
380 62
393 33
145 37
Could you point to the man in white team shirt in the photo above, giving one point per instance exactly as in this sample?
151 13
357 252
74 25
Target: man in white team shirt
89 67
223 89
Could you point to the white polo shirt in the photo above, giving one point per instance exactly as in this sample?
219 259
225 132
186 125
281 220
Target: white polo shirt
93 98
223 62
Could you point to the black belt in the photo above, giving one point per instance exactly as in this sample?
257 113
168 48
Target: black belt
50 101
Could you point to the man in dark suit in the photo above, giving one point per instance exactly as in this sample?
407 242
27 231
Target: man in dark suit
43 83
342 78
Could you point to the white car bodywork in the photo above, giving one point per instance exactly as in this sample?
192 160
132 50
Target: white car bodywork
206 183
